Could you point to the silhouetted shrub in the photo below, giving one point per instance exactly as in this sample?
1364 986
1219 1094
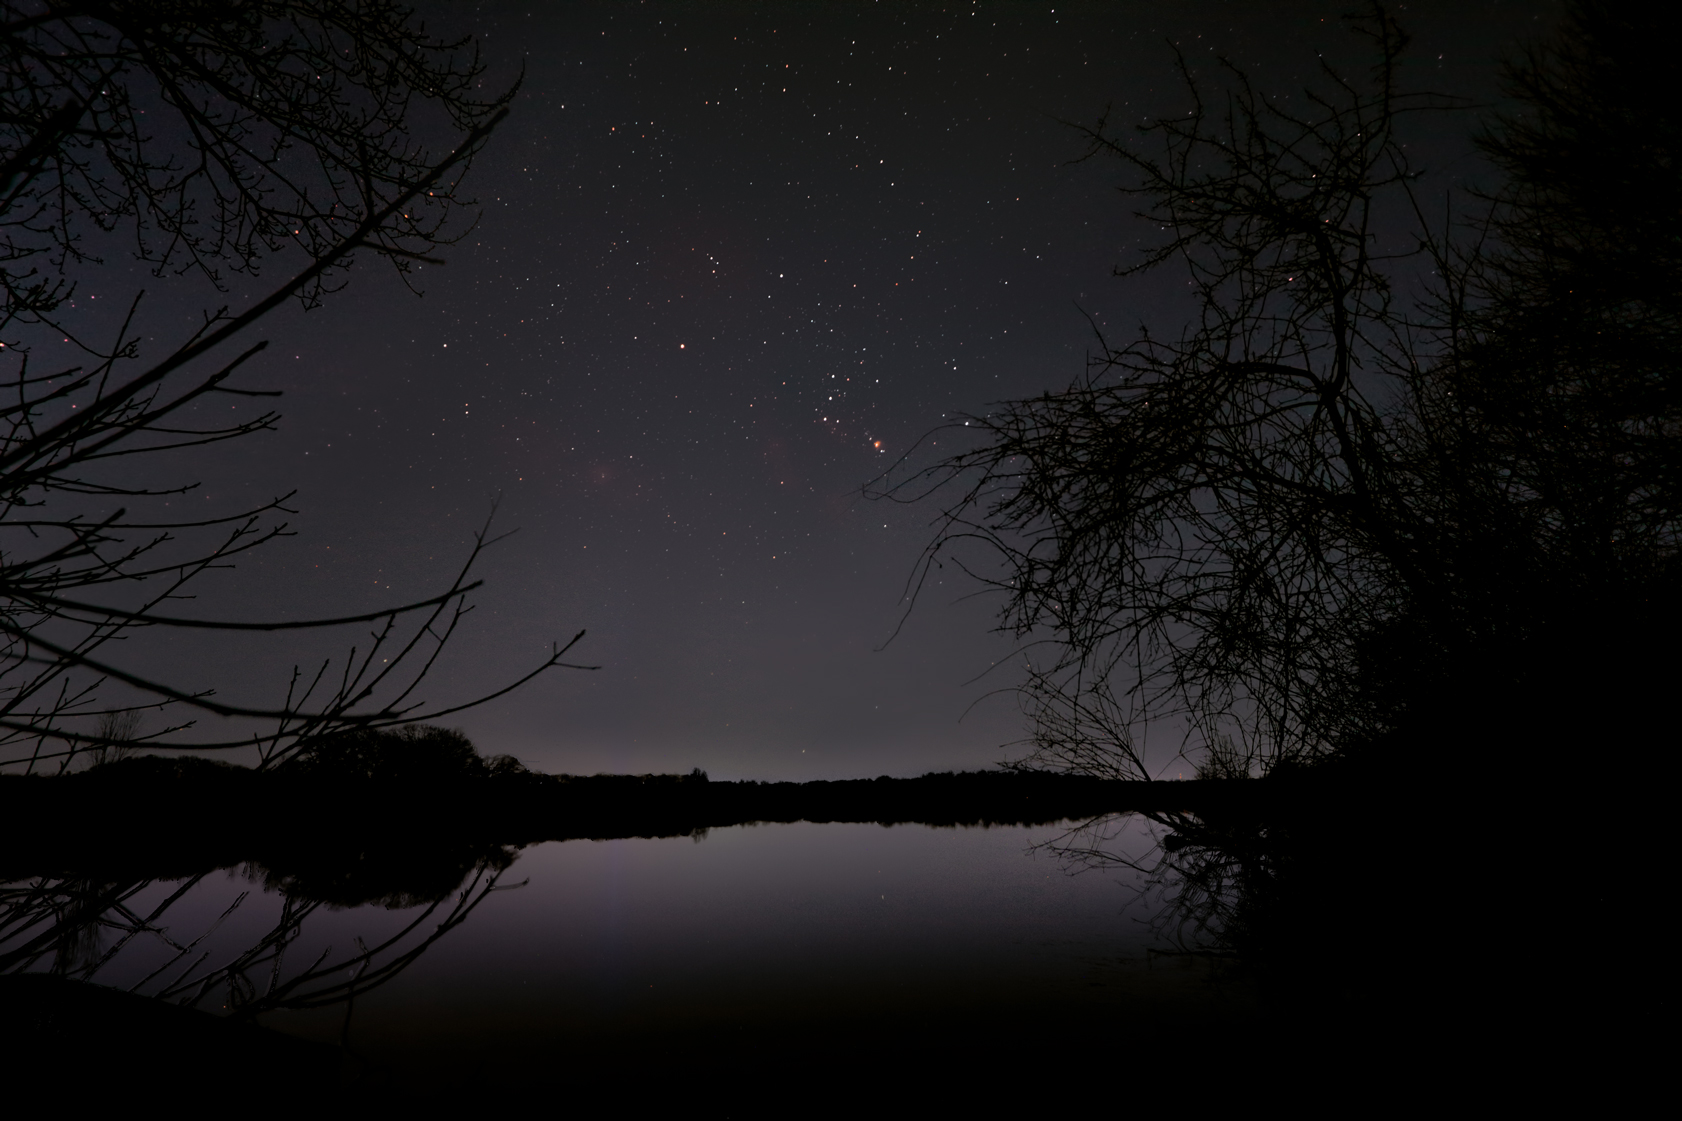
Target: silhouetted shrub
154 770
418 753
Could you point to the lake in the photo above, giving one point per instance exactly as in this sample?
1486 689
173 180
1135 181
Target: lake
787 944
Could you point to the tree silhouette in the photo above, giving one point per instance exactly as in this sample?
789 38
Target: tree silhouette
1391 473
216 138
1544 433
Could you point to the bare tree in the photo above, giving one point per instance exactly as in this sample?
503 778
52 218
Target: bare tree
1202 525
1396 472
216 138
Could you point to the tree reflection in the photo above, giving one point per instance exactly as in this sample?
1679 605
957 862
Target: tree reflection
1294 891
80 927
1197 889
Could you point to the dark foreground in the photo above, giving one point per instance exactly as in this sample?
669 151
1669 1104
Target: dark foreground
1014 1055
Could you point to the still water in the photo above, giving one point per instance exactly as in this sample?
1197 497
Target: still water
772 939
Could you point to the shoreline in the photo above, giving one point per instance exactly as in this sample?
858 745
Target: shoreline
152 814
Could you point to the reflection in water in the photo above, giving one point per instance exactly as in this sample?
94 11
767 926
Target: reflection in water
1203 879
811 948
139 935
799 946
1303 891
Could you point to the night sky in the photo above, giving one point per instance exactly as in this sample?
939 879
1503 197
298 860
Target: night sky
733 262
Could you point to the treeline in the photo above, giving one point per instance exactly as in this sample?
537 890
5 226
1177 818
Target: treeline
166 817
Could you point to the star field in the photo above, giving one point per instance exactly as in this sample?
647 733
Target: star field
732 264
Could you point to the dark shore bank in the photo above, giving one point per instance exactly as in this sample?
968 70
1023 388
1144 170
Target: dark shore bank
167 816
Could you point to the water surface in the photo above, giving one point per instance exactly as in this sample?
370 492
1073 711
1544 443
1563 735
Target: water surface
771 933
778 944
